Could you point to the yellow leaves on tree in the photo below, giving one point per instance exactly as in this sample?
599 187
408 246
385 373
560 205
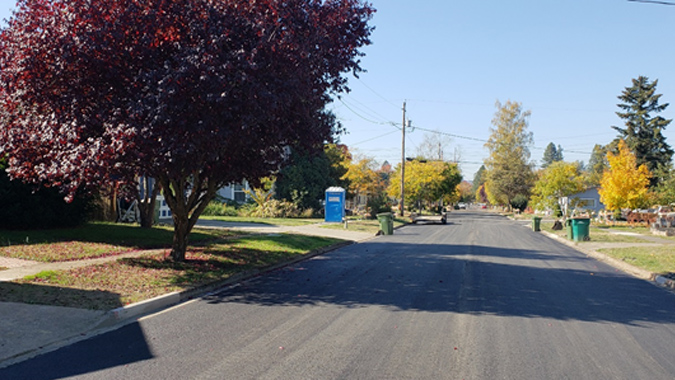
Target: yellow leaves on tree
559 179
363 178
624 184
427 181
464 190
509 170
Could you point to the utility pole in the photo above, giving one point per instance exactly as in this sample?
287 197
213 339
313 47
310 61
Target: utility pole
400 206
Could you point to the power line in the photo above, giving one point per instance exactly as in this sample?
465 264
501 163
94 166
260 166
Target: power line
652 2
376 93
375 138
367 109
484 141
451 135
359 115
427 130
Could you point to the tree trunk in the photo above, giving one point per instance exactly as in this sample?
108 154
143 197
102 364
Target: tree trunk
147 217
186 206
112 216
181 230
146 203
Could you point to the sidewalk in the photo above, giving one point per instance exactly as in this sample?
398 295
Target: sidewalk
591 249
29 330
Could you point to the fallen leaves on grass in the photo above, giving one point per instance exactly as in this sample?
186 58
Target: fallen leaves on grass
131 280
62 251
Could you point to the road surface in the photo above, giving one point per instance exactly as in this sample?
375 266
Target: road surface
479 298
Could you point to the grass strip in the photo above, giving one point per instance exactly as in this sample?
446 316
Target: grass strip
597 235
93 240
129 235
267 221
363 225
124 281
659 260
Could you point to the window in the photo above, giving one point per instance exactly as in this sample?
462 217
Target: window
586 203
240 196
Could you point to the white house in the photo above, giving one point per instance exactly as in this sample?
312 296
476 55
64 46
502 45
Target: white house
235 192
232 192
588 200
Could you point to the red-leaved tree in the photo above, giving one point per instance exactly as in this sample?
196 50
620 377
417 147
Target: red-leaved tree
194 93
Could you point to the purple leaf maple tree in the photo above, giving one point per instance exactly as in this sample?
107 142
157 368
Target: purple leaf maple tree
197 94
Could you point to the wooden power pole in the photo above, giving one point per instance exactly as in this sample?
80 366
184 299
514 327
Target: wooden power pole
400 206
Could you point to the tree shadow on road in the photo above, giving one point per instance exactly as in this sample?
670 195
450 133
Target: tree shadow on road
559 283
85 357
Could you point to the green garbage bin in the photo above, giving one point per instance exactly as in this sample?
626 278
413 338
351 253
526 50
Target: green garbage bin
386 220
570 231
580 227
536 224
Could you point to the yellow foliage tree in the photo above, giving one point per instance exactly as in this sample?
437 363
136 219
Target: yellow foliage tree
491 196
427 181
465 193
509 170
624 184
559 179
481 194
362 177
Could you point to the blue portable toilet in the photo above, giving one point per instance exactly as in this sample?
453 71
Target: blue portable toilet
335 205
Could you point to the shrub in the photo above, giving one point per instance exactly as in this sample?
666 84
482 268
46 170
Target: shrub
217 208
377 204
308 213
519 202
28 207
273 208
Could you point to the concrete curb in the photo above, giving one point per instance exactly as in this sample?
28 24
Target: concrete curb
622 265
133 311
158 303
149 306
121 316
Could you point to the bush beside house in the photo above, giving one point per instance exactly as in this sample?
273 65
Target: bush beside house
24 207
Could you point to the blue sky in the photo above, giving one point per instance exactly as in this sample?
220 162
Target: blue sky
565 61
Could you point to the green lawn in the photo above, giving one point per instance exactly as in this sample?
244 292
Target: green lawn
93 240
124 281
363 225
100 232
268 221
597 234
626 228
654 259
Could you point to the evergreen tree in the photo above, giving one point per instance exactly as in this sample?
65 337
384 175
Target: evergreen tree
551 155
596 165
305 180
643 130
478 179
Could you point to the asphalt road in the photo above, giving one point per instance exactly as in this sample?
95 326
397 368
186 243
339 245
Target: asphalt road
479 298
